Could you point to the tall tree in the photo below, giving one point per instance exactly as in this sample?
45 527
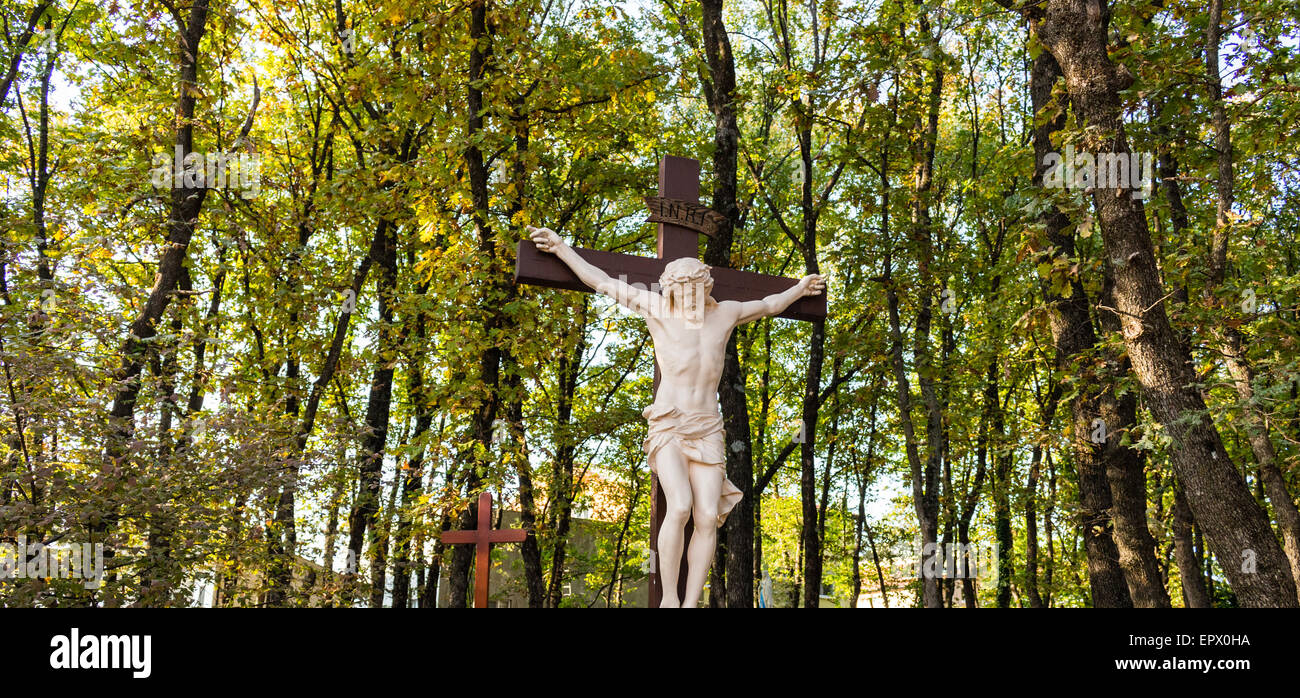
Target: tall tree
1077 33
1230 340
186 202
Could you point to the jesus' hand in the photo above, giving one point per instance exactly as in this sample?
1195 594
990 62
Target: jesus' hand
813 284
546 239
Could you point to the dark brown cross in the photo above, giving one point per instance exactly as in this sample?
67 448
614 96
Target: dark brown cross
679 179
483 538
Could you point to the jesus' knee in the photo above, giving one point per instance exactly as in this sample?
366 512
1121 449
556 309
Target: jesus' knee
706 517
678 510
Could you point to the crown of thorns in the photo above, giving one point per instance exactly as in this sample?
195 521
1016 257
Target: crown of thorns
685 270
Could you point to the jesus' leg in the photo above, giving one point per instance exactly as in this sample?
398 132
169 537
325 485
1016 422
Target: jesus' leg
706 488
671 466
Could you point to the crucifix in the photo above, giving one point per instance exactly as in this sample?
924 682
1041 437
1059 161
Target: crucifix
483 537
690 310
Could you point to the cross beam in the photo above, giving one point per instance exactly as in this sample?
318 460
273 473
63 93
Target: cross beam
544 269
679 178
483 537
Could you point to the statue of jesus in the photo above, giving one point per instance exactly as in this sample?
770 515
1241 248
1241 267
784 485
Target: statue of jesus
685 444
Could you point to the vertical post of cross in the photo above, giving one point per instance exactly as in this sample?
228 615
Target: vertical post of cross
679 178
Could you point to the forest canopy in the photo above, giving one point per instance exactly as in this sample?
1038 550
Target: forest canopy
261 339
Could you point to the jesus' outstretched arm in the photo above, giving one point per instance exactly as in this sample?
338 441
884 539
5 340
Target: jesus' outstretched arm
774 304
638 300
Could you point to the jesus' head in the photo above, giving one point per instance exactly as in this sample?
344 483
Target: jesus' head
685 284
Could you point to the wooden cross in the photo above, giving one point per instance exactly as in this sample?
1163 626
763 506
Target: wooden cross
679 180
483 538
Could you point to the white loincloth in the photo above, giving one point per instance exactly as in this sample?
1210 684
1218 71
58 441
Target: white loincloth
702 441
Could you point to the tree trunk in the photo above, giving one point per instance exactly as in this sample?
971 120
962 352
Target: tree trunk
614 597
718 573
562 469
1050 571
823 501
1125 473
1261 444
858 523
880 573
1001 489
530 549
812 552
1048 412
374 440
1076 32
413 475
970 501
283 534
166 571
332 530
719 92
923 141
433 578
186 203
485 414
19 47
1185 555
1230 340
924 476
1073 336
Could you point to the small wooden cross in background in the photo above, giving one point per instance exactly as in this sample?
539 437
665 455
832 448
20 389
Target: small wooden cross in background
483 537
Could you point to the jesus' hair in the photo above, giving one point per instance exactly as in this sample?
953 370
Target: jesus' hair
685 270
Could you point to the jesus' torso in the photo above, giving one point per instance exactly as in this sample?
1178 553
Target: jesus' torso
690 356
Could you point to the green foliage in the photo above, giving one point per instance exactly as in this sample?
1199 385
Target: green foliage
371 125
